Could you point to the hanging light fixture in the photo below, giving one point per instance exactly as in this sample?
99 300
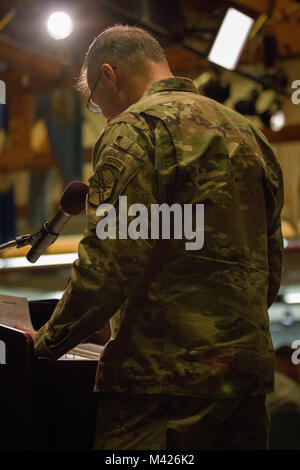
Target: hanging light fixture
273 117
247 106
213 86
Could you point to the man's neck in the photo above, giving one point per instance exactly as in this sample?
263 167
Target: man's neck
141 86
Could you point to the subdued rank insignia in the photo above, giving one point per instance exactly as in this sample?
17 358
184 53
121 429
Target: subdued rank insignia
101 186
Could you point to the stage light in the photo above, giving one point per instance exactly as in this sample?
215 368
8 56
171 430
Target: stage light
213 86
247 105
277 121
59 25
270 50
275 78
292 298
230 39
287 319
273 117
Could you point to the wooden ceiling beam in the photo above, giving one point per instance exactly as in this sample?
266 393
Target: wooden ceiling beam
287 134
277 9
181 60
258 6
22 59
26 82
31 81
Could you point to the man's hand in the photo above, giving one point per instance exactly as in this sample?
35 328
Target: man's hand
31 332
100 337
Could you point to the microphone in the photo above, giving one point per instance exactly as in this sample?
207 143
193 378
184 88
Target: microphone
72 202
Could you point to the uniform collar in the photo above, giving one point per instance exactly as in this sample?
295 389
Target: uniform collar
172 84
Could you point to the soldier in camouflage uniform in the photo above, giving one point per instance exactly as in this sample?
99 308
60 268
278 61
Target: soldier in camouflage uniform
190 358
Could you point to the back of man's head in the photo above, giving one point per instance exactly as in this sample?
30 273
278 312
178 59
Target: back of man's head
131 49
127 45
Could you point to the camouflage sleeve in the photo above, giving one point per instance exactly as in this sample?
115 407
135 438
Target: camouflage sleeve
107 270
274 197
275 245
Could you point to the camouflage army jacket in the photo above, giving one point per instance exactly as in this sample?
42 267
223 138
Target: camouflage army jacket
185 322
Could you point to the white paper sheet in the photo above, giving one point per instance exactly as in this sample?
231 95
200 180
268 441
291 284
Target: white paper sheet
14 310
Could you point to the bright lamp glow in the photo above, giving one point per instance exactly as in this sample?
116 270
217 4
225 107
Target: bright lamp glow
277 121
59 25
292 298
230 40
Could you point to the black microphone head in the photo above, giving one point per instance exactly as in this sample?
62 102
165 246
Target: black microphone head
72 201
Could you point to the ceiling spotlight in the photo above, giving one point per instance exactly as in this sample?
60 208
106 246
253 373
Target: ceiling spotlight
277 121
59 25
287 319
270 50
275 78
230 39
217 90
211 85
247 106
273 117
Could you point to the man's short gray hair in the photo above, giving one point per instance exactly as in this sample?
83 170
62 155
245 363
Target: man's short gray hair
124 45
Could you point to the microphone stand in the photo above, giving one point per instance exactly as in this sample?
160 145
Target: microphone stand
72 203
27 239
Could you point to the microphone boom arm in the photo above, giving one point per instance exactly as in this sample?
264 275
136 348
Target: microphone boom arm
21 241
72 203
28 239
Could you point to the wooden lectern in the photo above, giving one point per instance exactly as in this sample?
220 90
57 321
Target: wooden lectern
44 404
16 390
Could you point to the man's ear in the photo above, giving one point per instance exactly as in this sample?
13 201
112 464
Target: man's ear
110 76
108 72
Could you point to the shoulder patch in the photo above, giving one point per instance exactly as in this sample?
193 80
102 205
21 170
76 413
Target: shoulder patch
101 186
115 162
